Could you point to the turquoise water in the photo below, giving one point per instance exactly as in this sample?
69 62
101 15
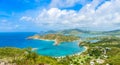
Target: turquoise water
45 48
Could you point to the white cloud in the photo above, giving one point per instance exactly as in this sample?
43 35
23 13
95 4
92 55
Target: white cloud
16 26
3 20
6 25
26 18
107 15
67 3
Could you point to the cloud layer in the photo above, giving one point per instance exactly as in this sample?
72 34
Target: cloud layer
67 3
106 16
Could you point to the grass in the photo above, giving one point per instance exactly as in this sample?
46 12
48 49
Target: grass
106 49
25 57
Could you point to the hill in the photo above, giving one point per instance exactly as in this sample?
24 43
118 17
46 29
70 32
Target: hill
79 31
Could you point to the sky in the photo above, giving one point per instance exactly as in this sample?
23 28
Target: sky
44 15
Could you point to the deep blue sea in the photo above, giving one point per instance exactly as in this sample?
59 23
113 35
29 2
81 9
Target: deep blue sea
46 48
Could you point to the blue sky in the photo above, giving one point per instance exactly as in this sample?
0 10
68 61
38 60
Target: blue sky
43 15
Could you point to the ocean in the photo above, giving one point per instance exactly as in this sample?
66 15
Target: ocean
45 48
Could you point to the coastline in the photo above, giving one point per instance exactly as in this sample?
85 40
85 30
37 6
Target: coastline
39 39
45 39
86 48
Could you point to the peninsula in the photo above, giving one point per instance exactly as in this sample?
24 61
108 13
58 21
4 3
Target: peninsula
58 38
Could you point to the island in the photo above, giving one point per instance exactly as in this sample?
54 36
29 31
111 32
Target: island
58 38
106 51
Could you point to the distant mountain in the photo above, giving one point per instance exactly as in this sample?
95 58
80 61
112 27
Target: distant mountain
112 32
73 31
115 31
79 31
67 31
51 31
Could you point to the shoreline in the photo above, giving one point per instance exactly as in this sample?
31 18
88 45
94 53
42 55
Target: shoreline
86 48
45 39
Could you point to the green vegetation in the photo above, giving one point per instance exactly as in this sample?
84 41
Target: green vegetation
105 51
57 37
16 56
80 31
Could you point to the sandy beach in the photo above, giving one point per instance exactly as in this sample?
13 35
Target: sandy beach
46 40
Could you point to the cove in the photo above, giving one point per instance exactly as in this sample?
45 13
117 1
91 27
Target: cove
45 48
